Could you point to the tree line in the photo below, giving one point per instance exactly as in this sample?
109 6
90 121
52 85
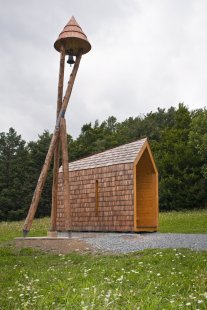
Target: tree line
178 139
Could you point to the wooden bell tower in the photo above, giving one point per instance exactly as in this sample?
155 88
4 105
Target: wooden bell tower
72 42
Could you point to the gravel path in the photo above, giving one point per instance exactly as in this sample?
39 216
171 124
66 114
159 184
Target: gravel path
126 242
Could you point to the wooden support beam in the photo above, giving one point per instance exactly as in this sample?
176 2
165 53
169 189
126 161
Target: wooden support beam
53 143
56 152
66 190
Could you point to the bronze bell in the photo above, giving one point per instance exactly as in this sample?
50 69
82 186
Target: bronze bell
70 60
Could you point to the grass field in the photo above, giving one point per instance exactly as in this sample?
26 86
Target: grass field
151 279
191 222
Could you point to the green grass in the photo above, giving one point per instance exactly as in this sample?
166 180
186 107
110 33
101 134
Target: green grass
174 222
151 279
191 222
11 230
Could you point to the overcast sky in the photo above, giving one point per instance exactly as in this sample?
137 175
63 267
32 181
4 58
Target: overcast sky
145 54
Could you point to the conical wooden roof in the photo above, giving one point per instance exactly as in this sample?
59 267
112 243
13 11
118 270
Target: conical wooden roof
73 38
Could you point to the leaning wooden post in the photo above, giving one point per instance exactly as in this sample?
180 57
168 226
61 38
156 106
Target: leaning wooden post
65 167
56 153
53 143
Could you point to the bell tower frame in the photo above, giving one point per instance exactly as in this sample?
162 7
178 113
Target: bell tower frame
72 41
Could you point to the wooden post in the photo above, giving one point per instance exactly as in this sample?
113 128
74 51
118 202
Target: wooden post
66 190
53 143
56 152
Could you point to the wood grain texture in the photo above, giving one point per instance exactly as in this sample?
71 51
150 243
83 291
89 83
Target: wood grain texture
146 192
40 183
53 143
56 152
66 190
97 197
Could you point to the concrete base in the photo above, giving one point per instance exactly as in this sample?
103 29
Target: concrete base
52 234
66 234
54 244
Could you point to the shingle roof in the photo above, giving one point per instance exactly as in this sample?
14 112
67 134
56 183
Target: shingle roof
122 154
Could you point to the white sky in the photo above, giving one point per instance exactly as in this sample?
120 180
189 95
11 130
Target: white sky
145 54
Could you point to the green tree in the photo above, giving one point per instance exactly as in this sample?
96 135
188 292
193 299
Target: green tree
14 175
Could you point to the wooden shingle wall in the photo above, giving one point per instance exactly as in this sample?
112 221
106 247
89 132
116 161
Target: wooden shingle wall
115 199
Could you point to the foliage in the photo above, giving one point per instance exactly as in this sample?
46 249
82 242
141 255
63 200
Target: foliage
13 176
20 165
178 138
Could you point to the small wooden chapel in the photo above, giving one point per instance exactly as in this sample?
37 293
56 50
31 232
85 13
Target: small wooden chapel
116 190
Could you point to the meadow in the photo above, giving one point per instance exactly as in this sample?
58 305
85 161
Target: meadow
150 279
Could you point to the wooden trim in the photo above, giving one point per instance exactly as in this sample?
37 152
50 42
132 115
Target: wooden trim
135 196
157 199
149 229
152 158
144 147
97 197
139 155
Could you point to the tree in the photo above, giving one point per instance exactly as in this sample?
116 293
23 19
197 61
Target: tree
13 177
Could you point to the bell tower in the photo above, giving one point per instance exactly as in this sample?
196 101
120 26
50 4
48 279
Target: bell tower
72 42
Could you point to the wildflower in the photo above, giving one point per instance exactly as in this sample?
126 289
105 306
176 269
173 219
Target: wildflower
188 304
200 301
158 274
120 279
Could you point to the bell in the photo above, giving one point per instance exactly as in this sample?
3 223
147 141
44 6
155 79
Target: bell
70 60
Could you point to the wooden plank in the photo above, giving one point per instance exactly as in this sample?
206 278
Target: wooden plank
56 152
97 197
145 192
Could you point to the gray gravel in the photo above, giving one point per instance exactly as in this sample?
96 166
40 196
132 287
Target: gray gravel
126 242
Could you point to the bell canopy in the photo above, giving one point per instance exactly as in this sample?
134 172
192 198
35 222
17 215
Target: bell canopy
73 39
